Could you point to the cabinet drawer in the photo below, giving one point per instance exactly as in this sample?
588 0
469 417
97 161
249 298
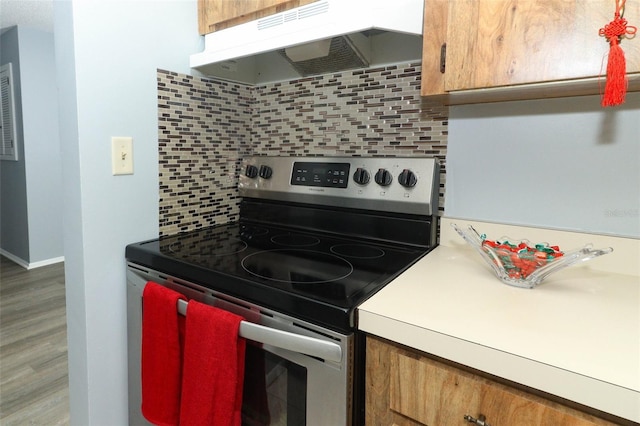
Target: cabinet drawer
405 387
436 394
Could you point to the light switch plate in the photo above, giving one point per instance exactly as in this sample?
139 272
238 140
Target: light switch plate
122 155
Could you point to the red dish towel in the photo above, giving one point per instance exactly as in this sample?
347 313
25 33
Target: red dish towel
161 354
213 371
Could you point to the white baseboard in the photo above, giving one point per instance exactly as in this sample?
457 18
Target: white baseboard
45 262
32 265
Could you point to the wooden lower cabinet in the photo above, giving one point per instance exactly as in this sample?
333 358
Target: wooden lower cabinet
409 388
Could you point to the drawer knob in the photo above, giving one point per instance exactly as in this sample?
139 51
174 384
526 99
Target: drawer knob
480 421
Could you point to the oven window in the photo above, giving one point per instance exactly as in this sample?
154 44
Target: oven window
275 390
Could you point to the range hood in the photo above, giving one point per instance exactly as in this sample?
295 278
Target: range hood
326 36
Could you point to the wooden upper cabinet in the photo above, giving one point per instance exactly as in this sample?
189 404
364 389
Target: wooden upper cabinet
552 46
214 15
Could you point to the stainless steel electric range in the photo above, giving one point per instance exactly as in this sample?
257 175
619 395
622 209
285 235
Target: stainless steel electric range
316 236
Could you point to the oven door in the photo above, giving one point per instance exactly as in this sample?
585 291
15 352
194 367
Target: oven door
296 373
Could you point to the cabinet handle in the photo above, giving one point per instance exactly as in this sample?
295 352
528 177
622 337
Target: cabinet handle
480 421
443 57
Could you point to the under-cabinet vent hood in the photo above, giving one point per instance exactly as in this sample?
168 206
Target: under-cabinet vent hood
322 37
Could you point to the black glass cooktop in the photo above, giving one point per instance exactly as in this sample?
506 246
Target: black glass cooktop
314 276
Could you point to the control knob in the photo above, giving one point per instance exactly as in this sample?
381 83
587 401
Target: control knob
251 171
265 172
361 176
407 178
383 177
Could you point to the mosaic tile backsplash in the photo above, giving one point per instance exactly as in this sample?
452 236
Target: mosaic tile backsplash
207 126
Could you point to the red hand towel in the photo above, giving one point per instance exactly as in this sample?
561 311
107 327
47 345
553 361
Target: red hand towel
213 371
161 362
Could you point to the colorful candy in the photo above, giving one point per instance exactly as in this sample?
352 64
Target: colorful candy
520 260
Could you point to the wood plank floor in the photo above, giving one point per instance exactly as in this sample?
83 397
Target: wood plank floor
34 385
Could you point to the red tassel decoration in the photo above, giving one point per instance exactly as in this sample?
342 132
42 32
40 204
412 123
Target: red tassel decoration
615 88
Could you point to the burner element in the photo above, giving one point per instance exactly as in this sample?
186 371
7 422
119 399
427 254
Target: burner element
357 251
297 266
295 240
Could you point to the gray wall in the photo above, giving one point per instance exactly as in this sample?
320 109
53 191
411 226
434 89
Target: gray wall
562 163
107 56
31 193
14 230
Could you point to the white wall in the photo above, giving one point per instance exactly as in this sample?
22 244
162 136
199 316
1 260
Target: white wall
107 55
564 163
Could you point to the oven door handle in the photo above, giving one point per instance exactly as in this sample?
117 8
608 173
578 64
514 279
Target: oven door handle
291 341
283 339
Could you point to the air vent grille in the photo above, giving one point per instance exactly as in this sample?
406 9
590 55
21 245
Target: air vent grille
314 9
290 16
271 21
8 132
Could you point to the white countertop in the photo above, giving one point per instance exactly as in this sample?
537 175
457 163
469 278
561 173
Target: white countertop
577 335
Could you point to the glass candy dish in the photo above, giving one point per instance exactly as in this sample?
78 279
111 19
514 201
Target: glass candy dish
521 264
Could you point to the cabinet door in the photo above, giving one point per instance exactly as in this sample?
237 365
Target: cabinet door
406 388
378 379
434 38
492 43
214 15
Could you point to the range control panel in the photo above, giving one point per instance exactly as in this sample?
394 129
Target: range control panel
398 184
327 175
